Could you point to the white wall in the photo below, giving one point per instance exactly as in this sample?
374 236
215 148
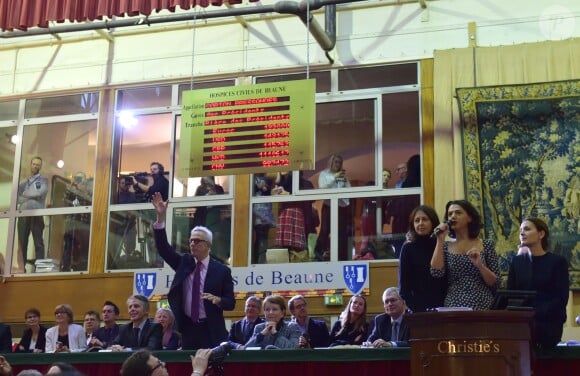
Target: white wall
368 33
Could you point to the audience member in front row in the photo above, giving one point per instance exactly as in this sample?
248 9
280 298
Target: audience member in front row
171 339
141 332
417 286
275 333
105 335
470 264
34 336
5 339
202 288
29 372
92 322
314 332
534 268
391 329
5 367
242 330
61 368
65 336
144 363
351 327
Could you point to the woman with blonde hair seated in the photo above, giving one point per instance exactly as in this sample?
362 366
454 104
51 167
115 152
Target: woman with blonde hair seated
65 336
275 333
171 339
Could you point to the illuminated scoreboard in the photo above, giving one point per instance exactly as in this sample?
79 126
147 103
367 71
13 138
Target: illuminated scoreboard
248 129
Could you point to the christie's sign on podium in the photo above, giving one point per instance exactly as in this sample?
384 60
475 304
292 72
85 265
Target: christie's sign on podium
284 279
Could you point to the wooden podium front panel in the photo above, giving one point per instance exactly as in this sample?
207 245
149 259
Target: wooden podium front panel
470 343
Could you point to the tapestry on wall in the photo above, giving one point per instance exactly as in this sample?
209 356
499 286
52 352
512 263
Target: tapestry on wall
522 158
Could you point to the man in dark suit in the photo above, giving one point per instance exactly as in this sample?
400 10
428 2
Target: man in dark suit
242 330
5 339
390 329
140 332
202 287
314 332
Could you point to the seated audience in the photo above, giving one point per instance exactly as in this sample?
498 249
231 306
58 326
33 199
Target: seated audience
105 335
141 332
34 336
546 273
275 333
29 372
242 330
65 336
92 322
390 329
417 286
470 264
171 339
5 339
61 368
351 327
314 332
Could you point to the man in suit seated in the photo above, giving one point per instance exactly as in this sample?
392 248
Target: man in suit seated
140 332
242 330
390 329
314 332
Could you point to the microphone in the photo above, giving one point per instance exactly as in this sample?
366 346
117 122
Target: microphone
437 231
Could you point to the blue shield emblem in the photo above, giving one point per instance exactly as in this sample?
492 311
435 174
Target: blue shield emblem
145 283
355 276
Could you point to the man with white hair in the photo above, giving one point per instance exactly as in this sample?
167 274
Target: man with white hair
391 329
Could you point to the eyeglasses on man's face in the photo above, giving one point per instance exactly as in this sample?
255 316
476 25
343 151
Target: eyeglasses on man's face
196 240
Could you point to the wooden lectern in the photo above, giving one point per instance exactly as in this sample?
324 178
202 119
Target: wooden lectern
470 343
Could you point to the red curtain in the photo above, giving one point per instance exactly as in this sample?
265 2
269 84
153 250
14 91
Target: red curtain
22 14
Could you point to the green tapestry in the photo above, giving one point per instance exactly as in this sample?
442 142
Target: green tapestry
522 158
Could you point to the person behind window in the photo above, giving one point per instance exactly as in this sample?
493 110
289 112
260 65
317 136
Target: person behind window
351 327
470 264
546 273
401 172
386 177
65 336
171 339
390 328
413 172
275 333
34 336
418 287
160 183
32 195
263 218
77 226
140 332
334 177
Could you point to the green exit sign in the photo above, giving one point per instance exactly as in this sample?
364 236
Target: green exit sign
333 300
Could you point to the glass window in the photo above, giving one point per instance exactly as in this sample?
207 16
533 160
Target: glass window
5 266
374 77
144 97
131 244
53 243
63 154
7 152
85 103
9 110
322 79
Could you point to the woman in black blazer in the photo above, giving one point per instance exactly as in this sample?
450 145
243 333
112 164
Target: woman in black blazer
34 337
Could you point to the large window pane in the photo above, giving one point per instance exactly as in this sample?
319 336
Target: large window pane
147 97
67 162
322 79
60 241
65 105
9 110
4 265
374 77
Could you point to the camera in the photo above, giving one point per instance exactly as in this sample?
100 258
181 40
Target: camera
128 180
219 353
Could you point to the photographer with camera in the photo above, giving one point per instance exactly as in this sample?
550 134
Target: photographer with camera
32 195
160 183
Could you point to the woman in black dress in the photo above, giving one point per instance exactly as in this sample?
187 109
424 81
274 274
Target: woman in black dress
352 327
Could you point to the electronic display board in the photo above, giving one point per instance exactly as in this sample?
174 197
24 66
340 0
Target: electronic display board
248 129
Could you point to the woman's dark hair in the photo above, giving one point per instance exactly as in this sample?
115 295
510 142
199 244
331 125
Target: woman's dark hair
429 212
64 368
413 178
541 226
476 224
32 311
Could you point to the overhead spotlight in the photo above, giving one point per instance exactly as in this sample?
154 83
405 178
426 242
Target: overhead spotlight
127 119
60 163
14 139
